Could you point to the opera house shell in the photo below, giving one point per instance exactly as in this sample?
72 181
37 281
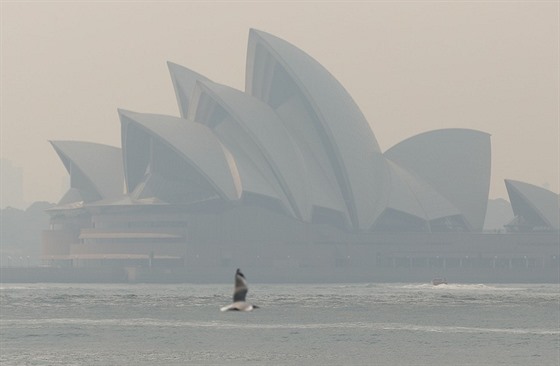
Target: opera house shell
534 208
285 174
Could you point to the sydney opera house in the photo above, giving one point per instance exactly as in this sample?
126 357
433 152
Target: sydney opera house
286 179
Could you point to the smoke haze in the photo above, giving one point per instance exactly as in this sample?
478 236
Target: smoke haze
410 66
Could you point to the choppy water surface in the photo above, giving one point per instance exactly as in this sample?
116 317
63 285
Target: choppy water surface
354 324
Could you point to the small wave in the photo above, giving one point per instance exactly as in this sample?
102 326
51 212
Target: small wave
8 287
477 330
150 322
461 286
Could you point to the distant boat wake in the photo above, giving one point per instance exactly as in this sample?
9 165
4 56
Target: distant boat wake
239 293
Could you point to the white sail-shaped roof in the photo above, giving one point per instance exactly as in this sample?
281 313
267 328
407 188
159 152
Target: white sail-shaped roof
303 91
534 203
281 156
194 142
456 162
95 169
183 80
412 195
257 178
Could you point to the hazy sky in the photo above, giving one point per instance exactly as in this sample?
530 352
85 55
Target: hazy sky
411 66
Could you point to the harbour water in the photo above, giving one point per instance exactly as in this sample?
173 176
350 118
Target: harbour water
297 324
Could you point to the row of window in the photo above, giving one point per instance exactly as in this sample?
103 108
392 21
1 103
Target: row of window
138 241
138 224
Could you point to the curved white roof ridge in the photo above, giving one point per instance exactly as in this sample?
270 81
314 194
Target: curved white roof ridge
256 173
266 130
401 197
354 151
197 144
456 162
184 80
99 163
543 201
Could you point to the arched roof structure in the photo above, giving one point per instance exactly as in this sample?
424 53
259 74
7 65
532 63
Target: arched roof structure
412 195
256 177
96 170
538 206
265 140
194 143
294 142
414 205
339 147
456 162
183 80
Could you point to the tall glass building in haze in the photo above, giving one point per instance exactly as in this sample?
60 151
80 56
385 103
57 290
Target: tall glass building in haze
286 179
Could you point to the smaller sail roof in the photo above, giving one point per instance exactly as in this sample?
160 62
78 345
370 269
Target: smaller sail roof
264 128
456 162
197 144
184 80
530 201
412 195
100 165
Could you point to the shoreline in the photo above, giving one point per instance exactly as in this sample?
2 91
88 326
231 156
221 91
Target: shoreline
273 275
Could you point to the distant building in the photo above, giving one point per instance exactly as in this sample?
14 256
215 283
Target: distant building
11 185
287 173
